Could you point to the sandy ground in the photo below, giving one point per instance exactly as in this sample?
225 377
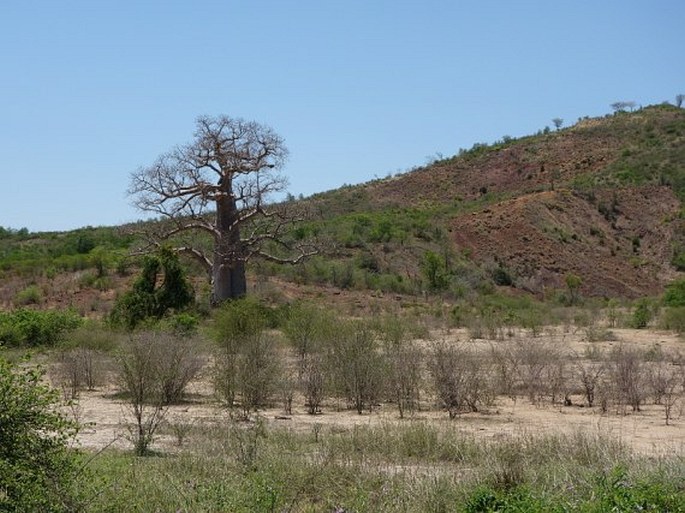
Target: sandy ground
106 416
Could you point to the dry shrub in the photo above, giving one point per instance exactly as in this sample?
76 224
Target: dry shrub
628 376
83 360
404 370
179 363
541 368
506 363
403 363
590 375
76 369
154 369
355 365
287 385
312 381
665 384
461 378
247 372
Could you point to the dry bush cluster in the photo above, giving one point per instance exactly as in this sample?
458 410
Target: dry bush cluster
359 365
616 380
83 361
320 361
152 371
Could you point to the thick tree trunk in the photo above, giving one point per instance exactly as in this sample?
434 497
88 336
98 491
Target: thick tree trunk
228 271
228 281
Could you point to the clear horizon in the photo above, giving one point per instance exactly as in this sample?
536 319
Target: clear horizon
358 90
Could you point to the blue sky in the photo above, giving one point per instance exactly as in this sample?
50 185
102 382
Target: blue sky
91 90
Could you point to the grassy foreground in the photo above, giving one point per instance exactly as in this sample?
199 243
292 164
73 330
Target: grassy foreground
247 467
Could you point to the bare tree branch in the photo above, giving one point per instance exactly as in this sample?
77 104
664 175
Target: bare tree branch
220 184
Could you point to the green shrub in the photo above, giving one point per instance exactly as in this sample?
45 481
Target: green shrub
485 499
678 261
306 327
10 334
31 295
147 300
675 293
502 277
573 284
38 470
36 328
617 491
674 319
241 319
642 314
435 271
183 323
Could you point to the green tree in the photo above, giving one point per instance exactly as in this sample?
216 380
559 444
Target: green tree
573 283
38 470
147 299
642 315
675 293
306 327
435 271
99 260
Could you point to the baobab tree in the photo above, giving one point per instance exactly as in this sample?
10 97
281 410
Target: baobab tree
220 184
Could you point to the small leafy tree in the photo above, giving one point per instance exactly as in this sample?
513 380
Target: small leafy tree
38 470
573 283
147 298
675 293
435 271
679 100
305 328
642 314
557 123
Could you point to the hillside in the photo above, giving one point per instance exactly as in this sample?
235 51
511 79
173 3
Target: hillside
601 200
